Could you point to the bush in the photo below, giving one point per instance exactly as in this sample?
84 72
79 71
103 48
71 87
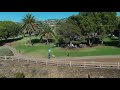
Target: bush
5 52
76 43
19 75
2 76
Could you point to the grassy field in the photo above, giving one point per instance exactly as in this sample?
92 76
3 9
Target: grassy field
41 50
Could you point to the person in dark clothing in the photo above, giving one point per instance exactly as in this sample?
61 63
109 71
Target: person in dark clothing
48 55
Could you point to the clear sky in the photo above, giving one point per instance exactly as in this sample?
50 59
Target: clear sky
17 16
118 13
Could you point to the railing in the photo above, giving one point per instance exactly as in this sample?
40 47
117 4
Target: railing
80 64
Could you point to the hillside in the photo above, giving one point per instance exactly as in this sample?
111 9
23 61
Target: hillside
8 69
53 22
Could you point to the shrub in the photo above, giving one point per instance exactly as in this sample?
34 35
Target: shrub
2 76
34 71
76 42
5 52
19 75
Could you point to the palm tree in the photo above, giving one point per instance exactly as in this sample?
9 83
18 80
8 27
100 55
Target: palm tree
39 29
47 33
29 25
44 31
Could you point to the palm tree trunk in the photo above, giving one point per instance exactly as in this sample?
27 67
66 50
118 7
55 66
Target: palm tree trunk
47 41
70 43
40 38
93 39
102 42
30 38
6 39
24 35
119 38
89 42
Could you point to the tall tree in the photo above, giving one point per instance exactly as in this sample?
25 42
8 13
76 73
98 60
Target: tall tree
95 24
29 25
8 29
117 31
67 33
47 33
44 32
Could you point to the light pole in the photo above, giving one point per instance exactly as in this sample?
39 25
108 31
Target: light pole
49 53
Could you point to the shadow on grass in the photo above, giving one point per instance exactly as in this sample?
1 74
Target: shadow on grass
111 43
35 41
41 41
3 42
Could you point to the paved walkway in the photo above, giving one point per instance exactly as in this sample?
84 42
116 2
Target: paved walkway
19 55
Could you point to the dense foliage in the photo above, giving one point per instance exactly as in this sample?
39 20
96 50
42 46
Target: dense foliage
91 26
19 75
8 29
44 31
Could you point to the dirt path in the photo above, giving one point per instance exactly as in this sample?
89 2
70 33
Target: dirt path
85 58
17 54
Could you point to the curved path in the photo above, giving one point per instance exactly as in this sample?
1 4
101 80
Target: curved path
19 55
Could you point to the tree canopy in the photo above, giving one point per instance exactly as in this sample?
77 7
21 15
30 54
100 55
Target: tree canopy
8 29
92 25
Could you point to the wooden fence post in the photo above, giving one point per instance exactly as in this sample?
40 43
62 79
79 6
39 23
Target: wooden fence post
18 60
93 63
12 58
27 61
46 63
57 62
70 63
5 57
84 64
100 65
88 76
36 62
118 65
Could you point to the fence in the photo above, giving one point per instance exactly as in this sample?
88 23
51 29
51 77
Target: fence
80 64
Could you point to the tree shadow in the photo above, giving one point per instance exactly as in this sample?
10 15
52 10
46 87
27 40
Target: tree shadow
3 42
41 41
35 41
111 43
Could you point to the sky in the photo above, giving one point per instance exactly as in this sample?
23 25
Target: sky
17 16
118 13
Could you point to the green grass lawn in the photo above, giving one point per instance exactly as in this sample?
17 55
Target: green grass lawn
41 50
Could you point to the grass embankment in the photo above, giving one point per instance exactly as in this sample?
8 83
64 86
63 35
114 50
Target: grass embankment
41 50
5 52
